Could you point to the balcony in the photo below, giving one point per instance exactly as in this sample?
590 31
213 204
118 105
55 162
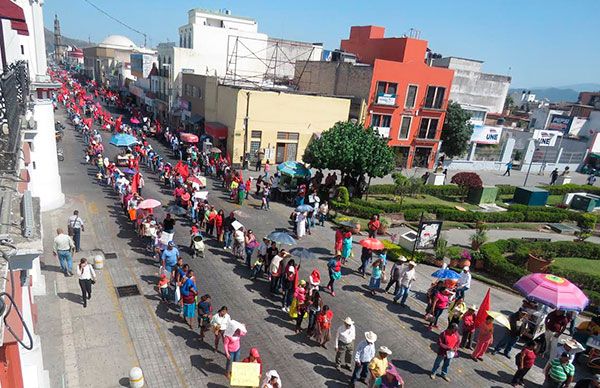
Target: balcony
386 100
14 93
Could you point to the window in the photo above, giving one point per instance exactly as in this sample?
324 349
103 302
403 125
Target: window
477 115
405 127
435 97
383 121
22 50
386 87
256 134
198 92
411 96
428 128
288 135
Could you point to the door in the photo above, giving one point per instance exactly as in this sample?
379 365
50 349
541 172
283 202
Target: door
280 153
421 158
285 152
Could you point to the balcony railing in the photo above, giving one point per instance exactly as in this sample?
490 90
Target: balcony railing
14 92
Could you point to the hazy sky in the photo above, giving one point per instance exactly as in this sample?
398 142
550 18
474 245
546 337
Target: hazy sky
537 42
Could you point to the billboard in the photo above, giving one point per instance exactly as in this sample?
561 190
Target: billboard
560 123
485 134
546 138
428 235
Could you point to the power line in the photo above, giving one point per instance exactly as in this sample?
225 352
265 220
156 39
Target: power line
117 20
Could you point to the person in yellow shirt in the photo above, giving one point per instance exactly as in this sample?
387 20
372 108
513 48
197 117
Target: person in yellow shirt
456 310
378 365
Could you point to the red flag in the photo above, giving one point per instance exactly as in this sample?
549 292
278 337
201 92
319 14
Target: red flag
118 123
483 309
135 182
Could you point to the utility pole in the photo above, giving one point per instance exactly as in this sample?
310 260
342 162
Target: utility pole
246 119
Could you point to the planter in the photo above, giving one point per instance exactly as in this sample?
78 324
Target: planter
479 264
537 264
464 263
437 262
453 263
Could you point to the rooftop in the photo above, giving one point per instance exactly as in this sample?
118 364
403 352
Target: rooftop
220 13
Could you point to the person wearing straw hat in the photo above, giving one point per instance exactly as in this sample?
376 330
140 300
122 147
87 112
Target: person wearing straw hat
344 343
407 277
365 351
468 327
378 365
395 272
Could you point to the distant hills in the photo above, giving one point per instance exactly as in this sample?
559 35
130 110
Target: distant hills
559 94
49 35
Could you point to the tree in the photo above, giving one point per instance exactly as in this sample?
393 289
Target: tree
406 186
354 150
467 181
509 103
457 132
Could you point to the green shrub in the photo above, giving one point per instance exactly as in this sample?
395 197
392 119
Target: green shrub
506 189
382 189
540 216
497 265
354 209
343 195
443 190
395 251
587 221
412 214
572 188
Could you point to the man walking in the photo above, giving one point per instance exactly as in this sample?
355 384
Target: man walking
512 334
448 343
553 176
509 166
63 248
464 283
75 228
365 351
395 273
344 344
407 277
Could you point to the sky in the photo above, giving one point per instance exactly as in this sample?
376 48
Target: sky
539 43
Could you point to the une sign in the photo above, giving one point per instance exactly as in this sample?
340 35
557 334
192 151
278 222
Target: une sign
546 138
485 134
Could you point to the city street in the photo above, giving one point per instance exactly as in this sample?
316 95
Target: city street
143 332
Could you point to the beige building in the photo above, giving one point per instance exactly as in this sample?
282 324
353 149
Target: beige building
278 124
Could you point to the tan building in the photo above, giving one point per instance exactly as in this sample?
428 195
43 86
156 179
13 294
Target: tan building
278 124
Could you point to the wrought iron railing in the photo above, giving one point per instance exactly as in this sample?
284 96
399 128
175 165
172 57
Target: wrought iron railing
14 92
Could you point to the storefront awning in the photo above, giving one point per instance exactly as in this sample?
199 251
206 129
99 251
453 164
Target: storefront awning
216 130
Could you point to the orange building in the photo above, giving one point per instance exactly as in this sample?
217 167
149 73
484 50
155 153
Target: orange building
407 99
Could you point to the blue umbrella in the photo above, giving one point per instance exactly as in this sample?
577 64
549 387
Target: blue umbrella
446 274
303 253
304 208
123 140
294 169
129 171
281 238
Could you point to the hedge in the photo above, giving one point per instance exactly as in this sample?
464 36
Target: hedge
509 272
436 191
395 251
572 188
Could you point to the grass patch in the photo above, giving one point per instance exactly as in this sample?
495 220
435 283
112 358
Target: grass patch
421 199
555 200
578 264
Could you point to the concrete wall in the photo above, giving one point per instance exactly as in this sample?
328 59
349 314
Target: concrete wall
45 179
472 87
334 78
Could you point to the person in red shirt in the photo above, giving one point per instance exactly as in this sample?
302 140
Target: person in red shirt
448 343
374 225
556 322
248 186
254 356
324 318
339 238
468 327
177 193
439 304
525 360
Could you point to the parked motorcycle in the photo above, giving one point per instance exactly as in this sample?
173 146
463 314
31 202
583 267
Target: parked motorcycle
60 154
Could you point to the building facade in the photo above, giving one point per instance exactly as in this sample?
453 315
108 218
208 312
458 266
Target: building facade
473 89
249 121
391 87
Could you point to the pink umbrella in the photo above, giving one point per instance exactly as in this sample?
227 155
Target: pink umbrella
149 204
134 121
553 291
188 137
372 243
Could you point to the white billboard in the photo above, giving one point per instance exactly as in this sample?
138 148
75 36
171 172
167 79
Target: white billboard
546 138
485 134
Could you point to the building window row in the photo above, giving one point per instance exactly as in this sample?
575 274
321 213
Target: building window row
288 135
428 128
435 97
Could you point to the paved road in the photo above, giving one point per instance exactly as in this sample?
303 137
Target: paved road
171 354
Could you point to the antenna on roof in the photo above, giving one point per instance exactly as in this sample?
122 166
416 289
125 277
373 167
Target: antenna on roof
414 33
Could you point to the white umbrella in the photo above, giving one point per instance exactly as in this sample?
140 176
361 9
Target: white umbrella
232 326
201 194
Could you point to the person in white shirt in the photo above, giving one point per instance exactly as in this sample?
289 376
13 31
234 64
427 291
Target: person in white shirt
344 344
407 277
63 248
365 351
76 226
219 324
464 283
87 277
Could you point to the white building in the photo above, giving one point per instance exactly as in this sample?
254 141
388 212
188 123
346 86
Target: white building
541 117
471 87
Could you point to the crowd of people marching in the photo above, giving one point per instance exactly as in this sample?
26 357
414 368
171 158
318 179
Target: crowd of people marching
301 299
